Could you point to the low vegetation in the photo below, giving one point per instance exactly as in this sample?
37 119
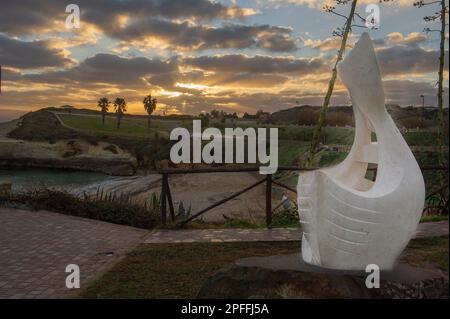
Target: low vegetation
104 207
179 270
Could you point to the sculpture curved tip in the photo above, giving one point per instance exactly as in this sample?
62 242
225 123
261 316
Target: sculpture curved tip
362 55
365 37
360 73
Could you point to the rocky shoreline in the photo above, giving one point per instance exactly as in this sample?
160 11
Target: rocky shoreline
109 167
67 154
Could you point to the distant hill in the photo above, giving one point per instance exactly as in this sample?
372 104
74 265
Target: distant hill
407 117
74 110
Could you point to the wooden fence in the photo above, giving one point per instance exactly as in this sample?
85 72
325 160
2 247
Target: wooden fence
166 194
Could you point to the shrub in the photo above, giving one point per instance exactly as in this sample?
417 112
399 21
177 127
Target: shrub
107 207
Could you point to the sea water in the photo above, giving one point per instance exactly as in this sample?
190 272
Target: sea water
23 178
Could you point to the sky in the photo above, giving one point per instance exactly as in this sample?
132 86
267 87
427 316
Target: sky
198 55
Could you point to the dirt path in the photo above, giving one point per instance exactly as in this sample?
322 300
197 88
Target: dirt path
201 190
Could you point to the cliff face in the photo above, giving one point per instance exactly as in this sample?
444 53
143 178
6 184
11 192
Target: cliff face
67 154
38 140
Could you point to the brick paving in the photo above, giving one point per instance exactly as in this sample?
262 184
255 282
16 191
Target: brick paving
432 229
249 235
223 235
36 247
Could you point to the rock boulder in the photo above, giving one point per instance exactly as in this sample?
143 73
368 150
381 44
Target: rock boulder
287 276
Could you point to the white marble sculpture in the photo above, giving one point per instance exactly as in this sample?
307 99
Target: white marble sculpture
349 221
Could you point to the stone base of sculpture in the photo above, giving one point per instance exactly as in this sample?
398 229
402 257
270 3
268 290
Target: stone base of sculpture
288 276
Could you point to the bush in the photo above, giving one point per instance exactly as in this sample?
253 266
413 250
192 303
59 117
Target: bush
108 208
286 218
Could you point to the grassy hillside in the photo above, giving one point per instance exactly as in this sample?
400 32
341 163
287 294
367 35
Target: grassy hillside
129 126
134 136
43 126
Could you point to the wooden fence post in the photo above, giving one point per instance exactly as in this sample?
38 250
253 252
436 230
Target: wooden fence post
169 198
164 199
269 200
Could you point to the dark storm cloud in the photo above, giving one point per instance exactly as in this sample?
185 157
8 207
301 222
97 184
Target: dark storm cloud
233 70
240 70
405 60
108 68
257 64
29 55
151 18
30 16
250 80
10 75
95 11
185 35
165 80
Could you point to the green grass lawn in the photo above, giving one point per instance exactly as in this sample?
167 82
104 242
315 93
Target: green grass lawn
423 138
179 270
331 158
138 127
290 150
333 135
129 126
175 270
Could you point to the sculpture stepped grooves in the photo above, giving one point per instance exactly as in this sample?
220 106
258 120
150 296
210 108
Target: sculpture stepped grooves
348 220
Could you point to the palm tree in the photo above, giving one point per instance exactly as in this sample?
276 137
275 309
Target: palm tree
149 106
121 107
103 104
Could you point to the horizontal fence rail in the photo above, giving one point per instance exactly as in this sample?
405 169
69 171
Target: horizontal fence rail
166 195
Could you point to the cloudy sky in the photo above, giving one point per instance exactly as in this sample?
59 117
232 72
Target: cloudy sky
199 55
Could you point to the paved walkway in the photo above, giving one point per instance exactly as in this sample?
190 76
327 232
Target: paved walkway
248 235
432 229
223 235
36 247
